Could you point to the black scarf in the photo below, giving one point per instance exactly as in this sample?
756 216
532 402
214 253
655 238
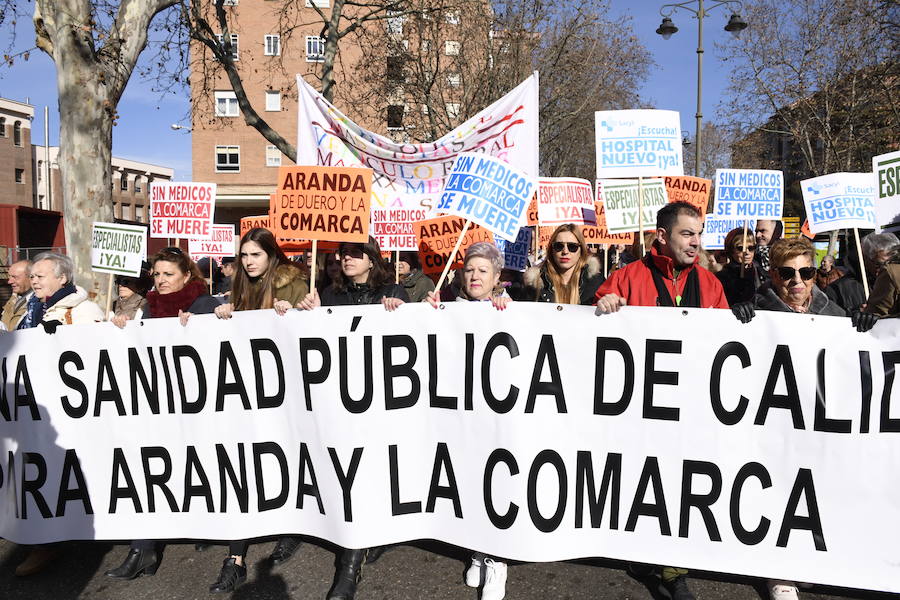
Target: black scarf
691 298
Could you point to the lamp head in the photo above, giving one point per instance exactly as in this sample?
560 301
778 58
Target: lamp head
667 28
736 25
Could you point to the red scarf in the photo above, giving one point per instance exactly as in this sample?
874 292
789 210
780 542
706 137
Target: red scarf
168 305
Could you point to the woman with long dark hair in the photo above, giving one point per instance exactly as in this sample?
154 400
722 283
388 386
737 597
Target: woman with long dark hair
567 275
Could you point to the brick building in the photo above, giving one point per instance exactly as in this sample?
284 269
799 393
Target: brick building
16 168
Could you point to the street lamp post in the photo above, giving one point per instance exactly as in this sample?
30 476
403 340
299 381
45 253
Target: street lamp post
735 25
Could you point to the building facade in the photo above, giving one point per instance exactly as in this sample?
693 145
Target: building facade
16 165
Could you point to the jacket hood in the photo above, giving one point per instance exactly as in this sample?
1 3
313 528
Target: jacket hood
413 278
287 273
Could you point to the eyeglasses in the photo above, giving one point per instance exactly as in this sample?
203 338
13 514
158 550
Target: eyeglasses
352 252
746 248
787 273
572 246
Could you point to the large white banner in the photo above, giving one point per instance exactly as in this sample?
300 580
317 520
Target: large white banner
415 173
540 433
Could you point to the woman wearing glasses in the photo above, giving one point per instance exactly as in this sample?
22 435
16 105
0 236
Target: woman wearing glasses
364 279
741 276
179 292
568 275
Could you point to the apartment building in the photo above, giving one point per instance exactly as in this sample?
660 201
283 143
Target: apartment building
16 167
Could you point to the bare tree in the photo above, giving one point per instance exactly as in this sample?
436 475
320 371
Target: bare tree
715 153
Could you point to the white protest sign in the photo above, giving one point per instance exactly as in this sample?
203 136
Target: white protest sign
182 210
562 200
749 193
515 254
886 168
715 229
653 435
638 143
488 191
118 249
621 201
839 201
392 226
222 244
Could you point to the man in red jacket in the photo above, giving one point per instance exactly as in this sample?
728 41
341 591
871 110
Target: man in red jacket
668 275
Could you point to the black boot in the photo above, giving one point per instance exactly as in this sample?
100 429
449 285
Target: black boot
231 576
284 549
375 553
348 575
138 562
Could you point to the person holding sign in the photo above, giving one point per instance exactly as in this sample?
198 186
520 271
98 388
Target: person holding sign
740 277
568 275
364 279
479 278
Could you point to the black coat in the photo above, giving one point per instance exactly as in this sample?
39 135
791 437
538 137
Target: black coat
740 286
847 292
361 293
538 286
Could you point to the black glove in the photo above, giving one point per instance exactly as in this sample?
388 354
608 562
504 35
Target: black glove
863 321
743 311
50 326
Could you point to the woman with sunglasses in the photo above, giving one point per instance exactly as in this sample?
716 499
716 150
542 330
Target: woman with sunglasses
741 276
180 291
265 279
568 275
364 279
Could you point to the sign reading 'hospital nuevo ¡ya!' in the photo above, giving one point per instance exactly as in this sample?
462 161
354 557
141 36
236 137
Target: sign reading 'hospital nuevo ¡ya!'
638 143
840 201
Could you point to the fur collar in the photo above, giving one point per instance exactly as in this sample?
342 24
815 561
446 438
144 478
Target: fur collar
285 274
168 305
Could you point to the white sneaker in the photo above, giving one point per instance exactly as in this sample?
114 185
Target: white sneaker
473 573
783 590
494 580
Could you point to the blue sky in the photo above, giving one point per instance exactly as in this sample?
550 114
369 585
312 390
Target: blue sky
143 132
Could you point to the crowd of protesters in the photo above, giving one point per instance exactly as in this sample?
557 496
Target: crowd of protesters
762 271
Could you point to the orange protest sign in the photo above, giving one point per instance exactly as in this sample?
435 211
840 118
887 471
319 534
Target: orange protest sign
805 230
532 211
544 234
436 238
693 190
248 223
322 203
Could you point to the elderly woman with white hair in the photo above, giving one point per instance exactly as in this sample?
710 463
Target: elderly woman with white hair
479 278
62 302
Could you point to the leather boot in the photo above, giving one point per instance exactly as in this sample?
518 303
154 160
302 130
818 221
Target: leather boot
284 549
375 553
138 562
348 575
231 576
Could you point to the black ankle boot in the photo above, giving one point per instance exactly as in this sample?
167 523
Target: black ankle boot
375 553
231 576
284 549
138 562
348 575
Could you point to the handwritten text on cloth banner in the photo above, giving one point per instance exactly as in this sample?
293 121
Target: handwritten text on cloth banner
663 436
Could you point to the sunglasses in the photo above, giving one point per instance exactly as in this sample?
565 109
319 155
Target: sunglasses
572 246
352 252
787 273
746 248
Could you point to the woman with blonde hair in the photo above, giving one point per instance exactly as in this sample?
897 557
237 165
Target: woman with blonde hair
567 275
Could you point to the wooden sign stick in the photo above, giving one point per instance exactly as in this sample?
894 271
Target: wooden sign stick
641 215
397 266
462 234
313 267
109 293
862 263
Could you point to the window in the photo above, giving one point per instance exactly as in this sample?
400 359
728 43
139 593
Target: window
452 17
137 183
315 48
2 126
424 109
395 70
40 170
229 2
20 175
226 104
139 213
454 79
426 46
273 100
273 156
451 48
452 109
394 23
228 159
17 133
234 44
273 45
123 182
319 3
395 117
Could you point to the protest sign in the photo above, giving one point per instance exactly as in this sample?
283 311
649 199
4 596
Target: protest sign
564 200
322 203
600 234
437 236
489 192
539 433
118 249
392 226
532 212
221 244
839 201
515 254
248 223
693 190
544 235
886 168
181 210
638 143
417 171
621 201
715 229
749 193
805 230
